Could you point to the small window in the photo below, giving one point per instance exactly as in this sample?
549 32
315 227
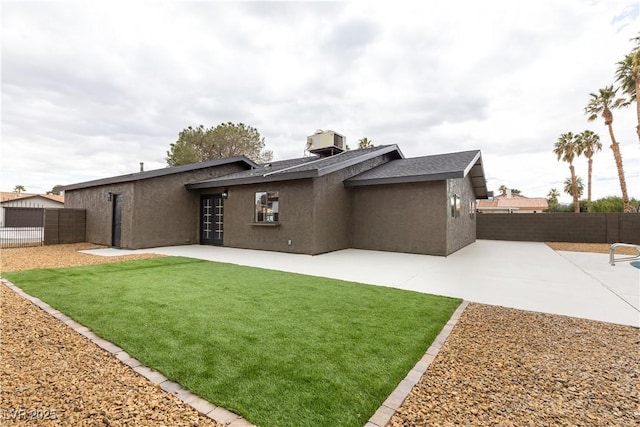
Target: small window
267 206
472 209
455 206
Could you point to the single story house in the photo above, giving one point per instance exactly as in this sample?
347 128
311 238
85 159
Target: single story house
372 198
515 203
26 209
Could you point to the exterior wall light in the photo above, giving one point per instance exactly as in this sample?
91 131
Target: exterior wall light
109 196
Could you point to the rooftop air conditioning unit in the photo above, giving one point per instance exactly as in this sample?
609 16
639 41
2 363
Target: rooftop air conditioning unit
326 143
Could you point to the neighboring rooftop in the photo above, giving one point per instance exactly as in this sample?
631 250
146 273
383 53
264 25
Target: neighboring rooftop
514 202
6 196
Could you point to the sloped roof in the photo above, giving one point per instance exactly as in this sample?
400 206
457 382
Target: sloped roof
305 167
161 172
12 195
515 202
427 168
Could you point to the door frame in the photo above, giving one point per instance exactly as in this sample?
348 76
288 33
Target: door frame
116 221
211 219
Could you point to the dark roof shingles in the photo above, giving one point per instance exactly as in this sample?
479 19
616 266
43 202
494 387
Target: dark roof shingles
159 172
437 165
295 168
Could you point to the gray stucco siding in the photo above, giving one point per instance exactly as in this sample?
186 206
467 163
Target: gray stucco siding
399 218
295 222
461 231
158 211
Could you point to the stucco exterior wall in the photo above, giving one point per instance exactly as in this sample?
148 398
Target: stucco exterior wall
165 212
400 218
100 211
461 231
332 207
157 211
295 217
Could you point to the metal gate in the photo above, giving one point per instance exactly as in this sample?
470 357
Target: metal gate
21 226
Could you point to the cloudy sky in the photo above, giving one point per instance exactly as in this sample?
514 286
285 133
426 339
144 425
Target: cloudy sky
92 88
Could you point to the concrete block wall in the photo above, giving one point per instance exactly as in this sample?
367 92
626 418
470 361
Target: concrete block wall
64 226
561 227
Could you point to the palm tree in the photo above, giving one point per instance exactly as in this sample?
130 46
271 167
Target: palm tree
589 143
503 190
365 143
567 149
574 189
553 195
628 76
601 103
552 199
19 189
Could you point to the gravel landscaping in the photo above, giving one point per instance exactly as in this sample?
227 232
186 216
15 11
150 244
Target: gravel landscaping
499 366
52 375
57 256
507 367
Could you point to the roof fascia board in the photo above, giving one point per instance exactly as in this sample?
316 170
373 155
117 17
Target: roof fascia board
403 179
251 180
138 176
477 159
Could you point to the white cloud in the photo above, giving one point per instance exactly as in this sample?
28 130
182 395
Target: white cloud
90 89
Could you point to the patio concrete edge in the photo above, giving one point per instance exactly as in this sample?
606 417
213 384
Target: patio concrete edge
389 407
218 414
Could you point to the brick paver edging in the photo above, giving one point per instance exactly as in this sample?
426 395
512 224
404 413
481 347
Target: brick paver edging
389 407
216 413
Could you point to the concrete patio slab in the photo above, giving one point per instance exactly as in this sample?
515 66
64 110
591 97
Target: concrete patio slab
523 275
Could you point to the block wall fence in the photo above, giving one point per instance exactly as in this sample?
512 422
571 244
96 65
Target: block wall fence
64 226
69 225
561 227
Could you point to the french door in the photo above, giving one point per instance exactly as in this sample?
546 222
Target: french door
211 219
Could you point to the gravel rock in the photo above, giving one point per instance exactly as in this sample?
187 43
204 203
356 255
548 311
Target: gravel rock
508 367
51 375
57 256
600 248
499 367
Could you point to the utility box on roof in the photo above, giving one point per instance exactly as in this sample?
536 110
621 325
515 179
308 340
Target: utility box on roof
326 143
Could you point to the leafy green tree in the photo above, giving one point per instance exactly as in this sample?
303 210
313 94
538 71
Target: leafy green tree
566 149
503 190
589 143
608 204
225 140
55 190
601 103
19 189
365 143
628 77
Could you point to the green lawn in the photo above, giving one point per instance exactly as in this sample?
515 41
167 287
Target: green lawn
280 349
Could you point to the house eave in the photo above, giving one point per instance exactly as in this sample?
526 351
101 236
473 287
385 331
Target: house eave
372 155
402 179
139 176
251 180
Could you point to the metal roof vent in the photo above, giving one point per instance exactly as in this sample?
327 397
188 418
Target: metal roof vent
326 143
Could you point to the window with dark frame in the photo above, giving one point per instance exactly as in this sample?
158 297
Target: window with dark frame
267 206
